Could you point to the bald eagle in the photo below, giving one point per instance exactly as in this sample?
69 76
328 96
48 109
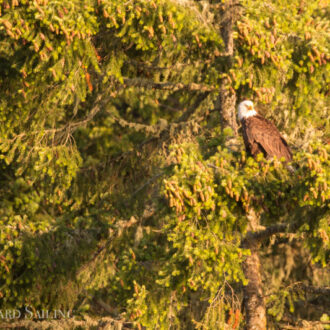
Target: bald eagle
260 135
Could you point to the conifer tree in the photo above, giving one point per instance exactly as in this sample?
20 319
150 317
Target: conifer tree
125 190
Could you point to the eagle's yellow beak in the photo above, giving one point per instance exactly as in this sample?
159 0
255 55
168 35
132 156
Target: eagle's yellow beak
250 107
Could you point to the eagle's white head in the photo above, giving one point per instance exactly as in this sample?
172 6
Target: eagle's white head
246 109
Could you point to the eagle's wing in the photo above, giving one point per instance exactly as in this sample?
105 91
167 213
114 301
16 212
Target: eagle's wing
262 132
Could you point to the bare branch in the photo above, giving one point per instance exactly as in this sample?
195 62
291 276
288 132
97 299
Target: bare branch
151 180
315 289
193 107
304 324
258 236
145 83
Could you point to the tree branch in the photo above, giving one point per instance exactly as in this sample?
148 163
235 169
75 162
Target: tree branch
315 289
193 107
258 236
145 83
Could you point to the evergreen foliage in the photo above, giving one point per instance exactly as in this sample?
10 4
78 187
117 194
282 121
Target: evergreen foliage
120 194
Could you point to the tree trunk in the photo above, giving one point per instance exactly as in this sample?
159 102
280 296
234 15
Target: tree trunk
227 98
254 304
227 106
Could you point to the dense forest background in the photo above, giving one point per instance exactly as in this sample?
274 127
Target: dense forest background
126 196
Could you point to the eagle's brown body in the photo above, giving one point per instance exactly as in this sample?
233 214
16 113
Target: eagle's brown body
261 136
